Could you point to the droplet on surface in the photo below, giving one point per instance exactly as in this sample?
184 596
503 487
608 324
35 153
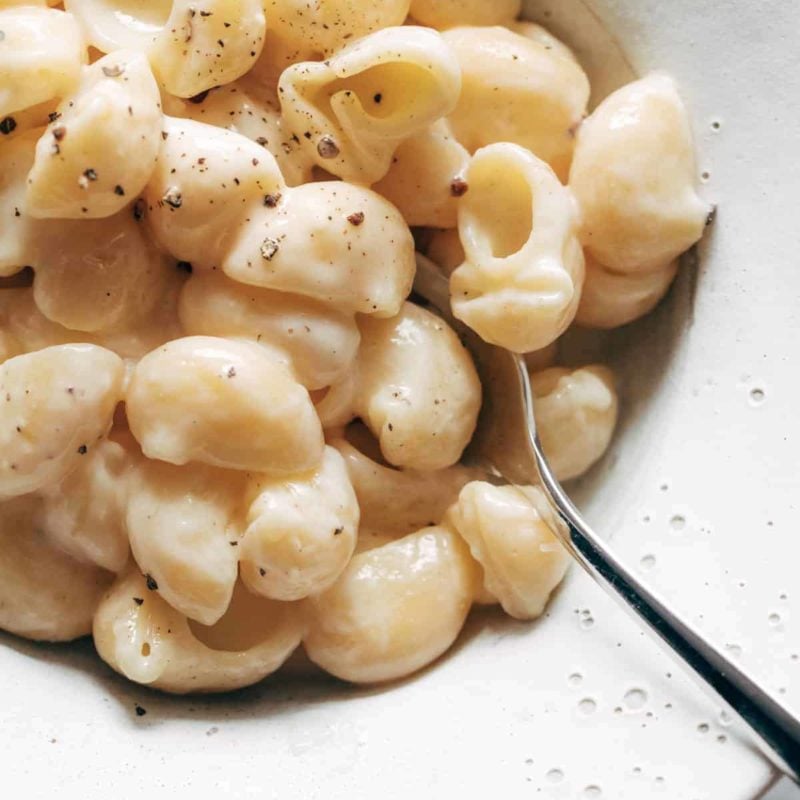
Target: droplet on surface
647 562
592 791
774 619
637 770
587 706
660 780
734 649
757 396
555 775
725 719
703 727
635 699
678 522
576 679
722 738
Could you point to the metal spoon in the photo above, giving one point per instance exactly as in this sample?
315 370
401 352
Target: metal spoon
507 443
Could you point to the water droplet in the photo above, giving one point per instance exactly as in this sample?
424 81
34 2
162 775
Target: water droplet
576 679
646 518
664 487
635 699
757 396
722 738
660 780
783 597
587 622
703 727
555 776
795 657
587 706
592 791
678 522
647 562
637 770
529 761
734 649
725 719
774 619
618 710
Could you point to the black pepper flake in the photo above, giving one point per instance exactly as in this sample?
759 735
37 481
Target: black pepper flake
17 212
172 197
53 116
338 531
119 190
712 215
458 187
231 372
269 247
390 426
198 98
90 174
59 132
262 572
233 544
114 71
140 712
184 266
378 97
152 585
138 209
356 219
206 13
83 450
7 125
138 600
327 147
164 135
272 200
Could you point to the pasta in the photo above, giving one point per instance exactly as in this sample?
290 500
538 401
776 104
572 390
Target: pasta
328 25
516 89
301 533
230 434
59 403
331 241
634 177
422 419
96 275
142 637
425 179
375 623
84 514
206 181
44 594
16 159
192 46
41 58
254 114
352 111
181 524
224 403
520 284
397 502
576 412
319 341
508 530
102 144
444 14
611 299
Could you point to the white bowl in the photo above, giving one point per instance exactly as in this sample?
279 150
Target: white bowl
711 435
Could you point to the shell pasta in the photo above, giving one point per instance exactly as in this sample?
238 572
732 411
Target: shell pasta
231 435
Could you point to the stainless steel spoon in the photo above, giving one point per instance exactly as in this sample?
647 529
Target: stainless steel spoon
506 441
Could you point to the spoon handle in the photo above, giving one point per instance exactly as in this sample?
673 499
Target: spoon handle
776 730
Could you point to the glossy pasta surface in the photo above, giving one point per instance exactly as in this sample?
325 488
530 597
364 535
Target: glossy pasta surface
229 430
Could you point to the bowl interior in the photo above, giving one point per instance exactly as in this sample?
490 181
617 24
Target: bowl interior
701 486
